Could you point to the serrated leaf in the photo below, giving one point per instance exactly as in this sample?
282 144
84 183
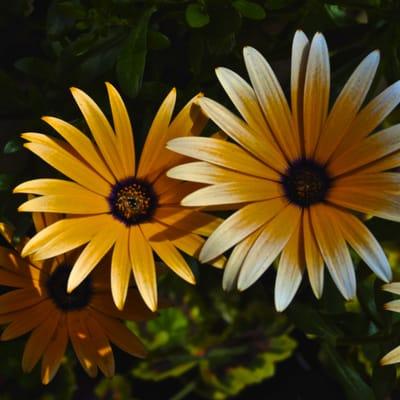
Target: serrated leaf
132 58
249 9
196 16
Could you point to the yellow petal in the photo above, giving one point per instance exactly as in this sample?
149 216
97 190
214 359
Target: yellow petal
157 135
65 235
38 341
256 142
80 340
371 149
120 269
70 166
223 153
313 257
204 172
101 347
273 102
143 266
97 248
384 181
239 225
101 131
244 99
366 200
392 357
290 270
85 203
187 220
233 193
316 93
123 131
235 260
300 50
347 106
371 116
268 245
82 145
55 350
120 335
364 243
334 249
167 252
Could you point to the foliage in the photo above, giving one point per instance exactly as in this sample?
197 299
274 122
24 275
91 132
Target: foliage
212 344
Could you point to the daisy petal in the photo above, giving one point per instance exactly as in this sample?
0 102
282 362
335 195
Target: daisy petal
314 260
143 266
203 172
347 106
259 144
157 135
120 335
364 243
123 131
272 101
92 254
120 269
392 357
101 130
82 145
55 351
235 260
393 287
300 50
244 99
233 193
268 245
70 166
84 203
316 93
223 153
167 252
65 235
239 225
290 270
38 341
371 116
334 249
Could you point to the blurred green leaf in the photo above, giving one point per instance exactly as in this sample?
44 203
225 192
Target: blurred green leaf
132 59
157 40
196 16
351 381
249 9
6 182
13 145
383 380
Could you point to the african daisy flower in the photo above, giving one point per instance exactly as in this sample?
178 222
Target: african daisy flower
393 356
38 302
298 172
114 204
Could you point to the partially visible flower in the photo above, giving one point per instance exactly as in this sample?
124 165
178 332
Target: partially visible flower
393 356
39 303
299 172
114 203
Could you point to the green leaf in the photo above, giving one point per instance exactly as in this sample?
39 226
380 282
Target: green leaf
13 145
249 9
196 16
310 321
6 182
383 380
351 381
34 67
132 58
157 41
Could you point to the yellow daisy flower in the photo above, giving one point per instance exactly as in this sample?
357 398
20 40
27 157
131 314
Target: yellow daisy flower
113 203
393 356
39 303
299 172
